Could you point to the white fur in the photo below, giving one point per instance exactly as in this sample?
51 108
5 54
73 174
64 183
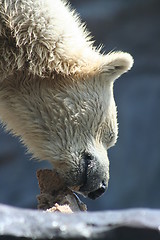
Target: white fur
56 89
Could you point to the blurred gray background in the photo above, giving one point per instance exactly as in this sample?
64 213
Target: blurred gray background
132 26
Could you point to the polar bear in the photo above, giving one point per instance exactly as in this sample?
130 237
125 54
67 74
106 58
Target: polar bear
56 90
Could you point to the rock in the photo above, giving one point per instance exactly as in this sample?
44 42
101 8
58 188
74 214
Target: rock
111 225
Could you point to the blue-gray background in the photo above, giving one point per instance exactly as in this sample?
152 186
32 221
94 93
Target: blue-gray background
132 26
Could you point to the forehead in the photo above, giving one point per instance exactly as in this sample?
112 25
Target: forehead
90 103
88 94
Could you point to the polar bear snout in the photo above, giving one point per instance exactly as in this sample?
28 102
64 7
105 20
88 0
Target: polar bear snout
97 193
94 189
88 174
95 176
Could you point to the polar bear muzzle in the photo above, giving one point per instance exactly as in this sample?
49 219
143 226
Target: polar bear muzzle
95 176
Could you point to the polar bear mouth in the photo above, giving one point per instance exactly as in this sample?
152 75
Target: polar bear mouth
95 194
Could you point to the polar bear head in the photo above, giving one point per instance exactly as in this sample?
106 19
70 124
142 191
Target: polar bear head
56 90
70 121
88 127
73 122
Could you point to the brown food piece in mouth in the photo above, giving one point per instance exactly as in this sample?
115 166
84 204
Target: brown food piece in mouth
59 208
55 196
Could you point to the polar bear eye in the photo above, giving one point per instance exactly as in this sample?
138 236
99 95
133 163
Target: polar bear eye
111 136
110 139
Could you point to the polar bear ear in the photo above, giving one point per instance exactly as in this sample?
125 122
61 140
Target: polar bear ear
115 64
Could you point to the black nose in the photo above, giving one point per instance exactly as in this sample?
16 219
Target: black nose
95 194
